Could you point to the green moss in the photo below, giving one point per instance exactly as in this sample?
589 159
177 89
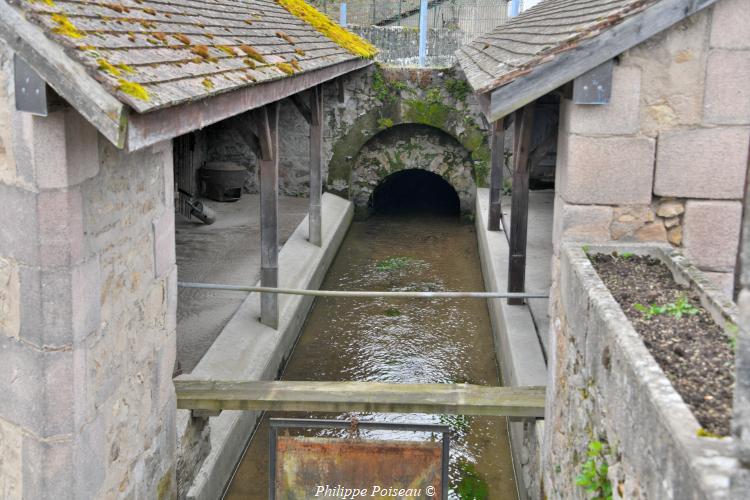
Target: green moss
133 89
384 123
429 111
458 89
396 263
394 162
472 486
384 90
164 489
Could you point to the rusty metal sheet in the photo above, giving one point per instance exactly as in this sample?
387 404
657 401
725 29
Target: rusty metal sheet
308 467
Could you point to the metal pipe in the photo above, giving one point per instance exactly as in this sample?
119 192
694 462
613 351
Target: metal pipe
367 293
515 8
422 33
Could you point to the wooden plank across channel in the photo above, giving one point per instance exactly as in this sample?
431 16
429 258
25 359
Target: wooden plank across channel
465 399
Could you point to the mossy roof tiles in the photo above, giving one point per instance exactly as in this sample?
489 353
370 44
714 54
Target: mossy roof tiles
537 35
182 50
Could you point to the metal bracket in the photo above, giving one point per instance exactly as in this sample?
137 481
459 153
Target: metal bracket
594 86
30 88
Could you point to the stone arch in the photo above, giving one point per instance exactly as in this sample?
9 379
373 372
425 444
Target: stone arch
455 122
411 146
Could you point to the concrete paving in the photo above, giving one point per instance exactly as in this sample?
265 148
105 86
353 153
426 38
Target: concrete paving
228 251
538 254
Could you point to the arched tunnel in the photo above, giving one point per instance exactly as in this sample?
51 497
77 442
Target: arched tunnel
415 191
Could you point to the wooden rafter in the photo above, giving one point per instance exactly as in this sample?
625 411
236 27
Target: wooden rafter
465 399
267 120
519 212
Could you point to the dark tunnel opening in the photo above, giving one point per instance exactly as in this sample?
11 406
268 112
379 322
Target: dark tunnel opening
415 191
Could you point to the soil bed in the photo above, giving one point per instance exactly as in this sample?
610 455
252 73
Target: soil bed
689 346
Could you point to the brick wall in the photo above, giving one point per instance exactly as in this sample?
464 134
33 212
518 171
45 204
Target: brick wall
666 159
87 335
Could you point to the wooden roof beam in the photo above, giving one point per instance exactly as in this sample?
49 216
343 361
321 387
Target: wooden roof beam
464 399
150 128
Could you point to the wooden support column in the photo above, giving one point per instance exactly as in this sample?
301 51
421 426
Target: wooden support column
496 175
519 212
267 119
316 173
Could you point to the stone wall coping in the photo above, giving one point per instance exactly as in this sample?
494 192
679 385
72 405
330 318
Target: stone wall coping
709 460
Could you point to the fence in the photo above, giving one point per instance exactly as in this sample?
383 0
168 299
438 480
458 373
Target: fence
393 25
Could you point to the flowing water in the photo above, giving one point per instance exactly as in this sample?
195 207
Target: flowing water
404 340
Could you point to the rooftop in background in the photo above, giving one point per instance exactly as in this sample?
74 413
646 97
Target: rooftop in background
154 54
537 35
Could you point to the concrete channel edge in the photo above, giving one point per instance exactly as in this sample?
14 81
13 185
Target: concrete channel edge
248 350
516 345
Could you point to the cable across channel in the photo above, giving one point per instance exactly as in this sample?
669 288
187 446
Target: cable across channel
367 293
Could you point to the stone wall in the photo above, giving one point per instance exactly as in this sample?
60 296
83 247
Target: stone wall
364 104
607 388
399 45
87 310
666 159
406 147
380 98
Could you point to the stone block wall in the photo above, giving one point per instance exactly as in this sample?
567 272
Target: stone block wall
607 388
666 159
356 109
399 45
87 310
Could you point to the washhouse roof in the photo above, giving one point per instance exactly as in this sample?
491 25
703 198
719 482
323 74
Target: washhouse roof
558 40
154 54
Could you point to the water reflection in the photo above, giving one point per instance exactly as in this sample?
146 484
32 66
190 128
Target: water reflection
404 340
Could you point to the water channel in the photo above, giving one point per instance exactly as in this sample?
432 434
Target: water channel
408 340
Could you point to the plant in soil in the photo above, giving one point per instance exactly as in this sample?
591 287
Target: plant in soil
593 476
695 353
676 309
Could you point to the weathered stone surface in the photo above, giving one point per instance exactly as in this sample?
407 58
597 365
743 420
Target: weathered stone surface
629 219
727 93
711 232
724 281
10 298
671 222
670 208
653 231
164 243
605 386
20 223
585 223
741 417
674 235
620 116
416 147
60 227
673 74
729 24
687 163
605 170
11 472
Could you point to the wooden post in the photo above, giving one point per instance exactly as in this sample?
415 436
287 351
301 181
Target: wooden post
316 174
496 175
268 134
519 212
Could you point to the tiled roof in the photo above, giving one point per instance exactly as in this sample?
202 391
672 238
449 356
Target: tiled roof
152 54
537 35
